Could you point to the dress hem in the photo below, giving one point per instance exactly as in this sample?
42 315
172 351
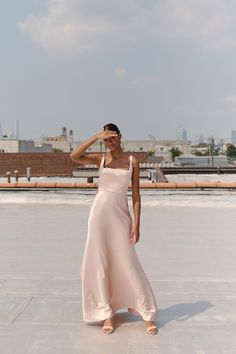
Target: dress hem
151 317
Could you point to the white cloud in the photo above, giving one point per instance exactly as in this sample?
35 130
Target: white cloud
75 27
121 74
229 100
191 18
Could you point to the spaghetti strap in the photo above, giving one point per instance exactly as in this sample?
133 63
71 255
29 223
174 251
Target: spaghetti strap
130 163
102 161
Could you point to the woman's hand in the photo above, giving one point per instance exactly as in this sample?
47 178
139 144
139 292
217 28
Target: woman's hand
134 234
106 134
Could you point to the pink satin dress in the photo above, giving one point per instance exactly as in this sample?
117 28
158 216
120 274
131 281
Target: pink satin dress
112 276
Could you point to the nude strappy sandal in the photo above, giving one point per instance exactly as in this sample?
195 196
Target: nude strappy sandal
150 329
108 329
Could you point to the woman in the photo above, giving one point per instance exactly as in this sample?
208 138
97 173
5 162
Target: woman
112 277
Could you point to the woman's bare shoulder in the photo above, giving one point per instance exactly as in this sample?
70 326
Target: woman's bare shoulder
134 158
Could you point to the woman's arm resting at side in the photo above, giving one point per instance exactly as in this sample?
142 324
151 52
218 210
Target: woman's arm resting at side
136 201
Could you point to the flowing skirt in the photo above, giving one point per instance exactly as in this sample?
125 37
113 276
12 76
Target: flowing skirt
112 276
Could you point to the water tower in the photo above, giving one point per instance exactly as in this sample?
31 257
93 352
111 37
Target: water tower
64 132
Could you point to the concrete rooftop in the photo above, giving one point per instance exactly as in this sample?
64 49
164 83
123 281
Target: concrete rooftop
188 255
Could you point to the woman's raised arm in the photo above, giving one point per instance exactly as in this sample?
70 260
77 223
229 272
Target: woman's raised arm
78 155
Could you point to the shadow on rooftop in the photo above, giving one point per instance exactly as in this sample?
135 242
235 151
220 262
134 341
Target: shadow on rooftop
178 312
182 312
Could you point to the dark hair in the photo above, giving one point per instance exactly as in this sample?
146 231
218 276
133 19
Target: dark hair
111 126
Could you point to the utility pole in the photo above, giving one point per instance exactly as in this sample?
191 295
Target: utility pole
212 144
211 150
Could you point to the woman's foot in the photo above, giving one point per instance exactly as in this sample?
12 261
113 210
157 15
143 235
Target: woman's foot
151 327
108 325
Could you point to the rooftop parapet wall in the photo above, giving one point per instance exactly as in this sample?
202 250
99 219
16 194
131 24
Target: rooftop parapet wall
41 164
44 164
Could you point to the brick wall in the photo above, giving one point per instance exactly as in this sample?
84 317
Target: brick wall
43 164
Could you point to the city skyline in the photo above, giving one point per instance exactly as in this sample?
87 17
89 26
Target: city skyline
200 138
147 66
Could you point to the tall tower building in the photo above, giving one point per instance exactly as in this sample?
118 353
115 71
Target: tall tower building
181 133
233 137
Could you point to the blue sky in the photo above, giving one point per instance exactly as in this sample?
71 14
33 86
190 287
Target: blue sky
147 66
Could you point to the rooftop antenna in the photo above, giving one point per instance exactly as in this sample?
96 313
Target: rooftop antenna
17 130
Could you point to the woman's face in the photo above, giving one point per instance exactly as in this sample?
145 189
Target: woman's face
112 142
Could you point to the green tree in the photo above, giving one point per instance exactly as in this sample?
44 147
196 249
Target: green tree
57 150
175 151
151 152
231 150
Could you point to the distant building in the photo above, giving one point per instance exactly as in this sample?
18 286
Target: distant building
181 133
160 148
42 147
13 145
233 137
203 161
63 142
200 139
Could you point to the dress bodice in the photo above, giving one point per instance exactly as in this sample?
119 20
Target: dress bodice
114 179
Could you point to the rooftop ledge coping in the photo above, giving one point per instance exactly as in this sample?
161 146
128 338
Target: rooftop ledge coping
155 185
